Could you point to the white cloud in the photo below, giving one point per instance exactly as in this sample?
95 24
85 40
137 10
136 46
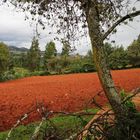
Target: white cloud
14 30
127 33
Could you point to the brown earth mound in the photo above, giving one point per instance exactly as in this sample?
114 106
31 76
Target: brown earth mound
61 93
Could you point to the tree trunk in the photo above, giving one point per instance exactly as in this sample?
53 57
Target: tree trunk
101 62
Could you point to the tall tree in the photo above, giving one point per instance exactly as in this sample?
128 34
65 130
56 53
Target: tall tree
19 60
50 52
34 55
118 59
66 48
65 53
101 17
134 52
108 49
4 58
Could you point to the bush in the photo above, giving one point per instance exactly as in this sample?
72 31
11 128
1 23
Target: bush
87 67
4 57
21 72
8 75
76 68
39 73
15 73
81 67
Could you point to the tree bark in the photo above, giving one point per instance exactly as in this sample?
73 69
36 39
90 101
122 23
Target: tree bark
101 62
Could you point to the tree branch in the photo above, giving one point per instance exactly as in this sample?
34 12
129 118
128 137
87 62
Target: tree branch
135 92
134 14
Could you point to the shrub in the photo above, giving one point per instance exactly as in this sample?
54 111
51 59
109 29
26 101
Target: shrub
4 59
15 73
39 73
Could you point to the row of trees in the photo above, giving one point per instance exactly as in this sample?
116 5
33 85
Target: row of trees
51 61
118 57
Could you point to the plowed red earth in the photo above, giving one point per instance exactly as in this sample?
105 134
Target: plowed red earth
61 93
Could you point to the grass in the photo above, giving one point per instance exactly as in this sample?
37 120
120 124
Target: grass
62 126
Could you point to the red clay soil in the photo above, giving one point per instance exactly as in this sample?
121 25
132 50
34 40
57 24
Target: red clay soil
61 93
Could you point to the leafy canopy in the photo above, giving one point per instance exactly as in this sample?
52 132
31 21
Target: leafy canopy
134 52
4 57
34 55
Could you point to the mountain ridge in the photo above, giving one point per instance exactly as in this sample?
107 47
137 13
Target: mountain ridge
17 49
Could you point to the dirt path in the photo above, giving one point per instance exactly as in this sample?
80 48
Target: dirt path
63 93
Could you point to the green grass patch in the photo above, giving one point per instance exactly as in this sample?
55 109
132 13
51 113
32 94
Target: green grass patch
62 126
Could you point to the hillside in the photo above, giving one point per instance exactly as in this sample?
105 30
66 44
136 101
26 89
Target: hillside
15 49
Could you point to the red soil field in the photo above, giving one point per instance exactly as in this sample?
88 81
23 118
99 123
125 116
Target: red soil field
62 93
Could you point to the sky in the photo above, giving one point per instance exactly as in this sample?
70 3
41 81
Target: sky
14 30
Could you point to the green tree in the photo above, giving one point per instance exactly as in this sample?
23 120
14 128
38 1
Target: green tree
108 49
88 64
50 52
4 58
118 59
34 55
18 60
23 60
89 56
134 52
66 48
65 54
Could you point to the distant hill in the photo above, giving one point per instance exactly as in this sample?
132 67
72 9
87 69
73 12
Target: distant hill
15 49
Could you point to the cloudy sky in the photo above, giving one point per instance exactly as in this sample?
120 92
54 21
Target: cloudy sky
14 30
